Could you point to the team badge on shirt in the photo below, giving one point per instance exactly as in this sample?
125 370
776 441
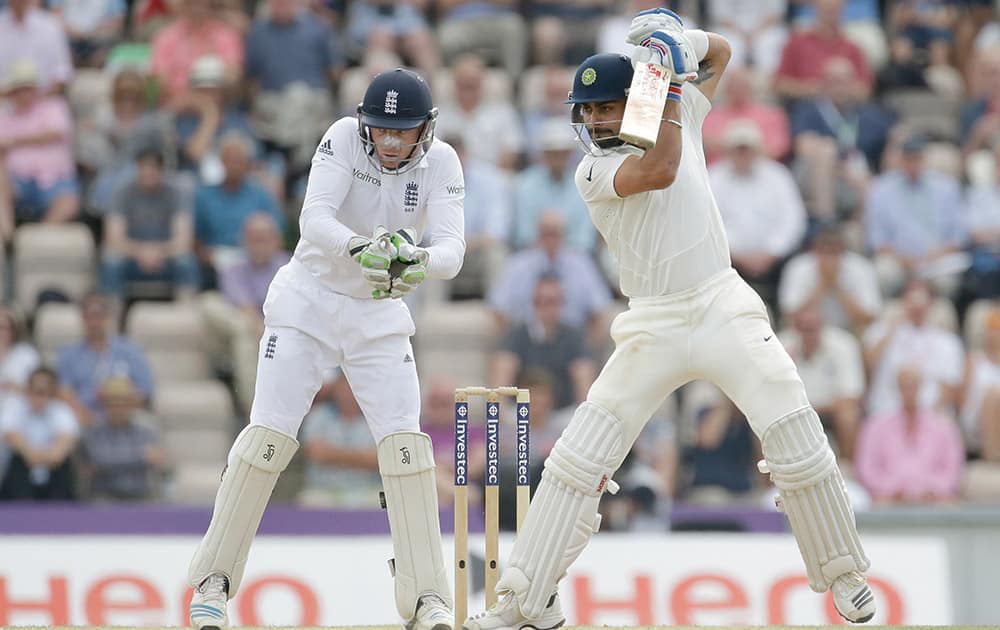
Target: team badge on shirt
411 197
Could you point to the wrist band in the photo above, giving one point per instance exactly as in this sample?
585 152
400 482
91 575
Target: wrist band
674 91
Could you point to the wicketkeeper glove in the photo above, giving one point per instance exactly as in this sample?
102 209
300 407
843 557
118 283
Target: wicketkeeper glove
415 260
375 255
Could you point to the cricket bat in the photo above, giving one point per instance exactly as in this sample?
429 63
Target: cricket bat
644 106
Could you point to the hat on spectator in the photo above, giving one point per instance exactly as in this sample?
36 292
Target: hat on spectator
556 135
916 143
20 74
743 133
208 71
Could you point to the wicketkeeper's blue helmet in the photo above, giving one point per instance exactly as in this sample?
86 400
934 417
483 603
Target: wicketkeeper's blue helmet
397 99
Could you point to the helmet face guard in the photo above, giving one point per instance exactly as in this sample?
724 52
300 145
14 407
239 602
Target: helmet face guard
397 100
416 151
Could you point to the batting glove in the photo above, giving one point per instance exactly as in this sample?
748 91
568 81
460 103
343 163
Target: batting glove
375 255
673 52
645 23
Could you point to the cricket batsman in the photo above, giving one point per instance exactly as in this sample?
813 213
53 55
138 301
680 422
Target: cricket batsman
690 316
380 185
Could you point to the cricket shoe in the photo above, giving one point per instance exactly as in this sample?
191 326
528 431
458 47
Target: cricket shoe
432 614
208 604
853 598
506 615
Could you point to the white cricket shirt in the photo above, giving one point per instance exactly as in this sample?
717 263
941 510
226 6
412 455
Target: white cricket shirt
347 197
664 240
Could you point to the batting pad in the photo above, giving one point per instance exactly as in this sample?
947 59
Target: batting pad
406 462
255 461
563 512
803 468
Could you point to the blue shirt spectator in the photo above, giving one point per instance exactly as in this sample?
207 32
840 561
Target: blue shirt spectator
585 294
84 366
551 185
915 214
290 46
864 127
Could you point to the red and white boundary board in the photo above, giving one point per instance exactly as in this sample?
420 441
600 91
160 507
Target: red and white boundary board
620 580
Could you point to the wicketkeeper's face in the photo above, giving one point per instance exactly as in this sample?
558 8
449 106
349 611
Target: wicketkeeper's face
603 120
394 146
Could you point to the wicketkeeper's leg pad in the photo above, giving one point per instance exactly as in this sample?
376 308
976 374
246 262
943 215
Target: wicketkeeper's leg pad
406 462
813 496
563 512
256 460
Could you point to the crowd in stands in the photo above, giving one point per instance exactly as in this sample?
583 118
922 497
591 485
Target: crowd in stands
854 152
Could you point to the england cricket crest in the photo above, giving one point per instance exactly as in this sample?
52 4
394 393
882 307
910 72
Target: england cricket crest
411 197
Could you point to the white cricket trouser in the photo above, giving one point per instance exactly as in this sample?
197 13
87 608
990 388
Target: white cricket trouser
717 331
310 330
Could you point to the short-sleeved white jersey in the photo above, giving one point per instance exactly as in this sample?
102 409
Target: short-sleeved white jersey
347 197
664 240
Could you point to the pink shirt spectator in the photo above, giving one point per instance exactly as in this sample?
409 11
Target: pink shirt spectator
39 39
44 163
177 46
770 119
806 53
891 460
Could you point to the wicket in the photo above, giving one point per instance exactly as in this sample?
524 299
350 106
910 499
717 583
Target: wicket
492 483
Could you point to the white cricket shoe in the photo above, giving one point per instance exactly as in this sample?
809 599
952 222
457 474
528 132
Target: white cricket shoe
506 615
208 605
432 614
853 598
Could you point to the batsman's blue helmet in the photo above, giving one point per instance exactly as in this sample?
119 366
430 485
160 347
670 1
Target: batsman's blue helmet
397 99
601 77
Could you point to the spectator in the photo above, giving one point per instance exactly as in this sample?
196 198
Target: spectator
148 232
220 210
760 206
490 129
808 52
861 21
437 419
341 462
18 358
979 119
198 32
740 103
235 317
36 147
41 431
107 142
203 116
720 462
891 344
551 184
842 283
92 27
487 224
586 298
913 454
31 34
102 354
915 222
291 60
492 29
549 344
980 394
839 139
123 455
755 31
983 221
564 31
830 364
927 26
396 26
538 110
